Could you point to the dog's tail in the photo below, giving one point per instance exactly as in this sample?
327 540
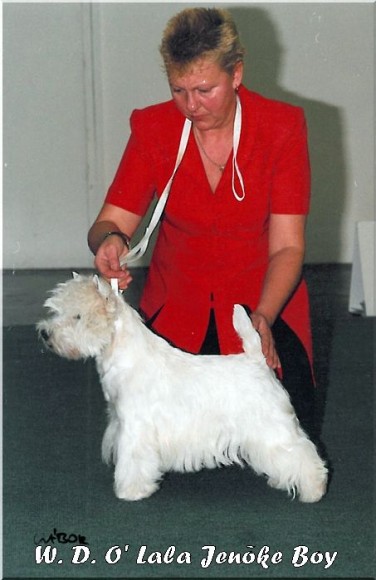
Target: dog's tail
249 336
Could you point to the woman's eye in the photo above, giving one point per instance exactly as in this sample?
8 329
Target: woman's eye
205 89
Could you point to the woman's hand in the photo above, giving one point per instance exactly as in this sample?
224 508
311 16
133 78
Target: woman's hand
107 261
261 325
109 250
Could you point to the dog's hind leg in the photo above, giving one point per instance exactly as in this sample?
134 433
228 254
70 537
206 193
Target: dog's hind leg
312 477
295 468
137 469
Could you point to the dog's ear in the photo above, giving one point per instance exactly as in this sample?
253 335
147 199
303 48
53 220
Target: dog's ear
101 285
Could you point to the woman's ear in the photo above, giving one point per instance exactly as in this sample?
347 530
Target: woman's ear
238 75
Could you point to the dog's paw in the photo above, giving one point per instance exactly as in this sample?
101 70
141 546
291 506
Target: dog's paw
313 493
135 492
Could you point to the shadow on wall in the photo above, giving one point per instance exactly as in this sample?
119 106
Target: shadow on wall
264 61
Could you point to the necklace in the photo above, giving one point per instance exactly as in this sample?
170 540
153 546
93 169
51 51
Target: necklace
219 165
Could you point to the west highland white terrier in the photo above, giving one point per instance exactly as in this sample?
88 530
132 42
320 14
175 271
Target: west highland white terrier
173 411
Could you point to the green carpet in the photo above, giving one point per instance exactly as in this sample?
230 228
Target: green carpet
54 480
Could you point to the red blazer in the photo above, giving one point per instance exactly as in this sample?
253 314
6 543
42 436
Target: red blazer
212 250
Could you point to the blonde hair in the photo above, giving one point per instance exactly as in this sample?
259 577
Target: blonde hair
197 33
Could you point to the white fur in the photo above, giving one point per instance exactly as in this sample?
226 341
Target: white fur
169 410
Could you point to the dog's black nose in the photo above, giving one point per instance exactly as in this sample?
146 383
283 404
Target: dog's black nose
44 335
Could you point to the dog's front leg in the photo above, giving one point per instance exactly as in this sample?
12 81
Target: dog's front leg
137 468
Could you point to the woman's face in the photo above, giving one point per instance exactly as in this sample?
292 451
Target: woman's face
205 93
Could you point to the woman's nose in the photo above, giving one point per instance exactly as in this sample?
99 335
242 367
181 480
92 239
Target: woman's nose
191 102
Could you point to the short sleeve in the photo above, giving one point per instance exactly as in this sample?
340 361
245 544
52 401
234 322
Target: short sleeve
291 182
133 186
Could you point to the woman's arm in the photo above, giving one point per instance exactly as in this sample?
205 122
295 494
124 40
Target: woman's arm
109 250
286 256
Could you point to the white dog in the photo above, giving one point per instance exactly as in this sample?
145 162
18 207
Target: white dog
170 410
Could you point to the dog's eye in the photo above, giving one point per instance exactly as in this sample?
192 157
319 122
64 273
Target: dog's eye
78 317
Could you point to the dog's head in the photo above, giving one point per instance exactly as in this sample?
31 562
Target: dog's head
81 317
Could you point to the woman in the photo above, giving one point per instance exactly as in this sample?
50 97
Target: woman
233 228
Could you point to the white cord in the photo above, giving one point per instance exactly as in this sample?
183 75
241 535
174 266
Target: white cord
236 138
115 285
139 249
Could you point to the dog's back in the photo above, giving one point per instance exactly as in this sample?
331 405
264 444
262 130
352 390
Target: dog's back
249 336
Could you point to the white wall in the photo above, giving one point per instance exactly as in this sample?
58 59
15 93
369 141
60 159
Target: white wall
45 184
74 72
